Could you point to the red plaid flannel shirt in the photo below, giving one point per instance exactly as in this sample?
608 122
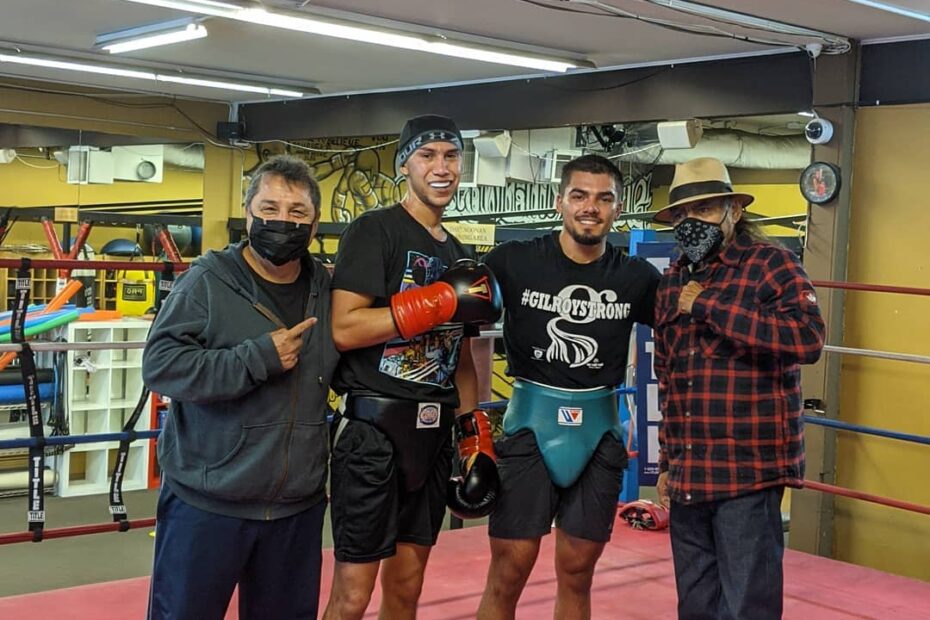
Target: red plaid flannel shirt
729 373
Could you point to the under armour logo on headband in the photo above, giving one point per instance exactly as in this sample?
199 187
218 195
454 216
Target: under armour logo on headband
435 135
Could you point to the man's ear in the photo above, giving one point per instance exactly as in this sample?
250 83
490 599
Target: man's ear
736 211
315 224
404 170
558 204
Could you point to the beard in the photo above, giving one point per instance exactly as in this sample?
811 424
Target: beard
585 238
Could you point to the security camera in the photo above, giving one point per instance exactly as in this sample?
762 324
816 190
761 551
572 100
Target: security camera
818 131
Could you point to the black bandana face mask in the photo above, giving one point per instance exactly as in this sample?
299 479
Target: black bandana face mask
699 239
277 240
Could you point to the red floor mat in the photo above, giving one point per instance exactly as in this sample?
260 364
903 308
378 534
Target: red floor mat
634 580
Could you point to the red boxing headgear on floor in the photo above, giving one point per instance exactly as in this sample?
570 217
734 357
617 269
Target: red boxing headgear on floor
645 515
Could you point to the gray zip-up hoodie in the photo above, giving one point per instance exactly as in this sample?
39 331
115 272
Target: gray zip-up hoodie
243 438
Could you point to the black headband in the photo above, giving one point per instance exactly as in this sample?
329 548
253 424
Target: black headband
426 137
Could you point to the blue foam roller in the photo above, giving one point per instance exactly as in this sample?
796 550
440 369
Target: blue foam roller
13 394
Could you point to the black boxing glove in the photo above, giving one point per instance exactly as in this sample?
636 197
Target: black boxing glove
473 494
476 289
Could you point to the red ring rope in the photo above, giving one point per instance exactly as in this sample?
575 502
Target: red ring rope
868 497
78 530
15 263
81 530
876 288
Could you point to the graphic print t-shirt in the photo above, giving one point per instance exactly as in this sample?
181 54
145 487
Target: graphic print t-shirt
565 324
383 252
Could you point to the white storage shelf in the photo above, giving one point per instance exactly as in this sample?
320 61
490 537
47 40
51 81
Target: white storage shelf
102 388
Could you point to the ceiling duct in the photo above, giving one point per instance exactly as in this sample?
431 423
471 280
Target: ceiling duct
735 149
189 156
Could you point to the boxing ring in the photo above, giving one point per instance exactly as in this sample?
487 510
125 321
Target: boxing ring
634 577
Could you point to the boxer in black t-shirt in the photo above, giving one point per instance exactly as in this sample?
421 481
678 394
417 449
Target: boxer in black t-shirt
406 298
570 301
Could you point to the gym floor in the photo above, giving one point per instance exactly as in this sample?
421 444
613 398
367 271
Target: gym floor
634 580
65 562
81 560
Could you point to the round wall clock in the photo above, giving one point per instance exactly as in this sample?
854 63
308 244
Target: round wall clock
820 182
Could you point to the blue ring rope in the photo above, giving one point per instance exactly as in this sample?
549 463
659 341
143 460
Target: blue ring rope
868 430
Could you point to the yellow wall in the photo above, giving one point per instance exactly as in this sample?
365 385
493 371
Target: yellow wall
151 117
31 187
155 118
25 186
888 245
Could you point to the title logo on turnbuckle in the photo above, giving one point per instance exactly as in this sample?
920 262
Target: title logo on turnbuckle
570 416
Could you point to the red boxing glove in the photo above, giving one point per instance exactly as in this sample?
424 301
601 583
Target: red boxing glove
418 310
645 515
474 494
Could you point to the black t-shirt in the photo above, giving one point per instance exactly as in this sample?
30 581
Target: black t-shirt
565 324
288 301
382 252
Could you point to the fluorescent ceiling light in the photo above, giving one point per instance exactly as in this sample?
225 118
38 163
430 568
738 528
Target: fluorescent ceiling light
76 66
403 41
365 34
206 7
736 17
246 88
146 75
892 8
504 58
167 36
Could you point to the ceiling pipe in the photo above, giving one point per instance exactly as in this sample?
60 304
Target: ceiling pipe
735 149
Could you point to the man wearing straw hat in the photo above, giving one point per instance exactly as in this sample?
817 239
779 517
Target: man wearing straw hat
735 317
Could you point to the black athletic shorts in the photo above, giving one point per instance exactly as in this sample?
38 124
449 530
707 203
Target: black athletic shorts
370 510
529 502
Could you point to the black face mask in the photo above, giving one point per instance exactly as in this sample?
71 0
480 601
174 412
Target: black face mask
699 239
279 241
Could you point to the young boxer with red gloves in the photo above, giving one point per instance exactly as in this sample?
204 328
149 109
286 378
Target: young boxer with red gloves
406 298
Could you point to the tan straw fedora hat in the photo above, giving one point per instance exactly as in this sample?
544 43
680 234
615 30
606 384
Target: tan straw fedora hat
696 180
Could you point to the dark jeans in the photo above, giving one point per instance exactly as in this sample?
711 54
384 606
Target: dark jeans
728 557
200 557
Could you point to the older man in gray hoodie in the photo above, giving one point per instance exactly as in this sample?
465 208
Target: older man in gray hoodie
243 348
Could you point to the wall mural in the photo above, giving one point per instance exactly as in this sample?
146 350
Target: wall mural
354 178
637 197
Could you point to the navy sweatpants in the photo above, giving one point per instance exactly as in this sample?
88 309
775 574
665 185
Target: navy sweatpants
200 557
